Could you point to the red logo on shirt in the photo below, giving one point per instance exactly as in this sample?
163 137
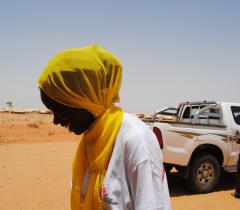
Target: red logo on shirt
105 198
104 192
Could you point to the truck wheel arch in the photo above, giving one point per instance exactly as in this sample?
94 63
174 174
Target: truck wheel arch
208 148
204 148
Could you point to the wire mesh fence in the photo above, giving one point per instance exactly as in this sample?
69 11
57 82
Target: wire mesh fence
20 128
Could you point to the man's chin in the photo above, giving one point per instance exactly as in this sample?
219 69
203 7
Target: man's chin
77 132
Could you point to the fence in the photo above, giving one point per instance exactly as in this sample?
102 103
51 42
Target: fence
32 127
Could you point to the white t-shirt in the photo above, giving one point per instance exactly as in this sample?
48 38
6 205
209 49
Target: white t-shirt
135 178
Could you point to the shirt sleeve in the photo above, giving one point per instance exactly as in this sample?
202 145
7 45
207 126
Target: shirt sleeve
149 187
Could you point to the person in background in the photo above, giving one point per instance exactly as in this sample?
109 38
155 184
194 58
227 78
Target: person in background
237 190
118 163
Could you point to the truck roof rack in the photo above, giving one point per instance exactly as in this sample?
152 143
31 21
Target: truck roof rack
198 102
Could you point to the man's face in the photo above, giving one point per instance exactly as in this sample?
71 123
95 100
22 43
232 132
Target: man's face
77 120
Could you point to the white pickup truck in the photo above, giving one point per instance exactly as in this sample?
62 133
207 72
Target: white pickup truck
199 139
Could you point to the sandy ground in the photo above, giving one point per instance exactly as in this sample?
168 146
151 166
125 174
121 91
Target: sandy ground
36 176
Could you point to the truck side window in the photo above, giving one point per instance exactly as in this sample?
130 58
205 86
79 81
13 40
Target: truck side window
190 112
236 114
194 110
186 114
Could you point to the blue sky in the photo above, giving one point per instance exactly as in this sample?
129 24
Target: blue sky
171 51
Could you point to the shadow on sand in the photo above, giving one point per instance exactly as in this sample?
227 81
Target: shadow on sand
178 186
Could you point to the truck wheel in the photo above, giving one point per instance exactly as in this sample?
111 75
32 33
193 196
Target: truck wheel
205 172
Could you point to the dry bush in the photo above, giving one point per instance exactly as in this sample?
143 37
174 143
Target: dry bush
33 125
50 133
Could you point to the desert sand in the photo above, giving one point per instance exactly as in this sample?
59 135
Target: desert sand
35 169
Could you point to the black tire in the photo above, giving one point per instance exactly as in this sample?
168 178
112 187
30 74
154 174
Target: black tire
204 174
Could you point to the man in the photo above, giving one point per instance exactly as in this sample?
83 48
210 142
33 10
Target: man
118 163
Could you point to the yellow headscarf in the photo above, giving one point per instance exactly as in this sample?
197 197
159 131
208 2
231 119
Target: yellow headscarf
88 78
